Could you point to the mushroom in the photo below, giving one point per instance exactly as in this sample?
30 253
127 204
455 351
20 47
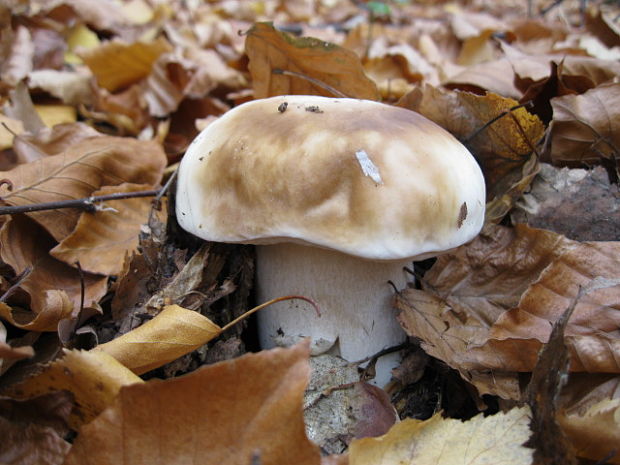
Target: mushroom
339 195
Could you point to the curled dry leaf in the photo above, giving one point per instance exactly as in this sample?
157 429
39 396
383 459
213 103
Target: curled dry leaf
490 305
94 379
101 239
174 332
117 64
76 173
235 412
53 286
269 49
586 128
438 441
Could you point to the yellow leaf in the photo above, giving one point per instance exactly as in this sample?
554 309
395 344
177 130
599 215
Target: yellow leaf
94 378
438 441
52 115
80 37
174 332
6 136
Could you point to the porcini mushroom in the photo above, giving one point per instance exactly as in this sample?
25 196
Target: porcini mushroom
338 195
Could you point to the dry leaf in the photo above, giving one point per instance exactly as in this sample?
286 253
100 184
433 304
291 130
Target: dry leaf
32 431
269 49
491 304
585 128
16 66
117 64
229 413
71 87
581 204
438 441
94 379
101 239
24 444
174 332
54 288
83 168
595 433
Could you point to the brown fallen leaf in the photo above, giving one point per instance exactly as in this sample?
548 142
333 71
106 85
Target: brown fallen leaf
585 128
53 287
235 412
491 304
94 379
32 431
117 64
101 239
595 433
438 441
81 169
269 49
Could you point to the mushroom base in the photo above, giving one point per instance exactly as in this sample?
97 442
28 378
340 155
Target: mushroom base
357 319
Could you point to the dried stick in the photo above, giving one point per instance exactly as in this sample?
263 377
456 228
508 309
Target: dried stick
87 203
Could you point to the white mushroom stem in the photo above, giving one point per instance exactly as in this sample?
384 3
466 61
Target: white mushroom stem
357 318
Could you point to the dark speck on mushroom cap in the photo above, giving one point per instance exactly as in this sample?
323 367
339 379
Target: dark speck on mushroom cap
269 176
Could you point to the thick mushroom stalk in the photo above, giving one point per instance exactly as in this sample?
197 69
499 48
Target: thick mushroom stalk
357 318
338 195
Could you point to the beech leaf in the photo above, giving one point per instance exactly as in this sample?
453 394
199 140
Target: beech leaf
79 171
101 239
586 128
269 49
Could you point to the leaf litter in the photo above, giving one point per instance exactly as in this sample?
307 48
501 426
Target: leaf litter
99 99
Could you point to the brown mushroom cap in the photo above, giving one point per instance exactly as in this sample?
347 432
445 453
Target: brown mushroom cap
361 177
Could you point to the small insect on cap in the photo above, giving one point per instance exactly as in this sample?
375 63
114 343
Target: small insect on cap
357 176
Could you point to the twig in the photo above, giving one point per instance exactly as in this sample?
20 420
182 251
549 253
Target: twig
87 203
19 280
314 81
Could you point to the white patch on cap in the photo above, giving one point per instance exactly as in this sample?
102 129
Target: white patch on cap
368 167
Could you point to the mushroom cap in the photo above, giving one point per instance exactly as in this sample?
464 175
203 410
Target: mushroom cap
357 176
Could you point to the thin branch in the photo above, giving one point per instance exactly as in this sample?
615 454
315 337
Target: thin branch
312 80
87 203
18 282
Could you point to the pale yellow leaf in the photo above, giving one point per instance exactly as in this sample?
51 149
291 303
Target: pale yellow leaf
174 332
496 439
